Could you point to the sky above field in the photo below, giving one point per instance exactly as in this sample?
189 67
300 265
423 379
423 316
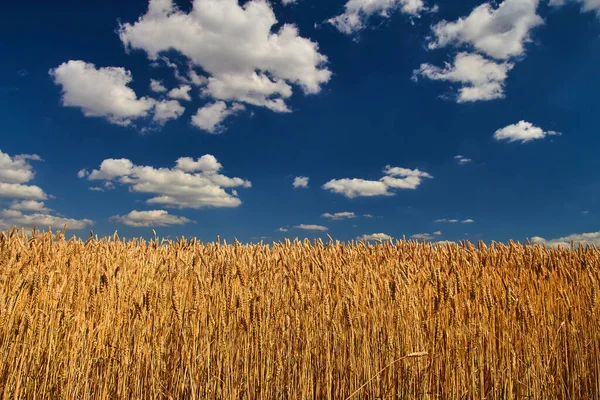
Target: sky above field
430 120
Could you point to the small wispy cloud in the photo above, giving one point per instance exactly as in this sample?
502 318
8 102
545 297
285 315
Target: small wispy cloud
462 159
522 131
301 182
375 236
454 221
312 227
339 216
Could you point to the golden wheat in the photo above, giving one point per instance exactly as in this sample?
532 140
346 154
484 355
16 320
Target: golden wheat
114 318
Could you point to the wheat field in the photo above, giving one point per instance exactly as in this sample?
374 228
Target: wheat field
117 319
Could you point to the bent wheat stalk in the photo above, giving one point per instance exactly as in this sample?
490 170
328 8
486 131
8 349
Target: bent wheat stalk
411 355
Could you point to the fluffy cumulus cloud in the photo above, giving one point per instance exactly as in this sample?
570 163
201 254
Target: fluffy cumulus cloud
395 178
375 237
357 12
353 188
592 238
101 92
15 172
26 210
181 93
157 86
245 59
206 163
149 219
166 110
11 218
210 117
312 227
339 216
29 205
523 132
16 169
301 182
586 5
190 184
479 78
499 32
16 190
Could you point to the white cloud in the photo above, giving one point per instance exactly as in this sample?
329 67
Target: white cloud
191 77
451 221
16 169
462 160
339 215
480 78
206 163
12 218
500 32
437 233
375 237
405 172
180 187
409 179
100 92
522 131
255 89
210 117
112 168
181 93
288 2
283 229
357 12
586 5
157 86
14 173
353 188
312 227
29 205
396 178
18 191
166 110
301 182
96 189
235 45
592 238
467 221
423 236
148 219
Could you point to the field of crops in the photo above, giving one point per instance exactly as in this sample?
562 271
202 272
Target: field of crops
119 319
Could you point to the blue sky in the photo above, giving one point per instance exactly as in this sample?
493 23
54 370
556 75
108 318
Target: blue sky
196 118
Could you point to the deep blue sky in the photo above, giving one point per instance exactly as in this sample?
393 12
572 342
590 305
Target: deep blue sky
368 115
